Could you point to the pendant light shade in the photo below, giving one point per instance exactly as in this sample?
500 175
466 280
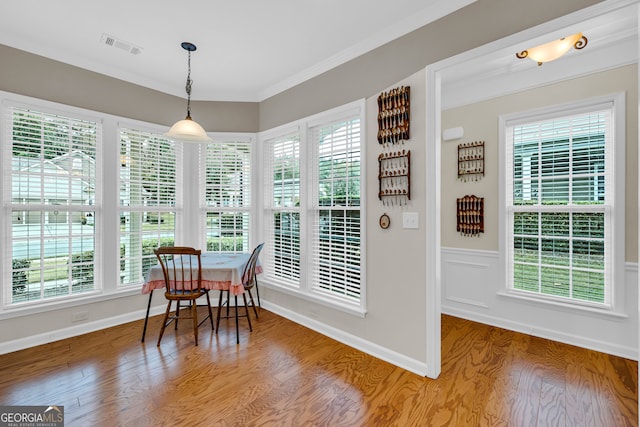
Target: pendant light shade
188 130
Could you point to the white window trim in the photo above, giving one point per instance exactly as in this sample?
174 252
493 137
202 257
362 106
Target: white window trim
10 101
106 205
305 290
617 304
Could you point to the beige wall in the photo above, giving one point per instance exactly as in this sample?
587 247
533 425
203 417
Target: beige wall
395 274
475 25
480 123
32 75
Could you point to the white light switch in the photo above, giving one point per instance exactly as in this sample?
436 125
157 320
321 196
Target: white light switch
410 220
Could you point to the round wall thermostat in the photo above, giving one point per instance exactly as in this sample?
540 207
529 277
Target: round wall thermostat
385 221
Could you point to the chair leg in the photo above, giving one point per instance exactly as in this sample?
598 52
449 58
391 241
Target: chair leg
194 315
236 314
209 308
237 327
253 304
246 309
164 322
177 315
258 293
219 308
146 318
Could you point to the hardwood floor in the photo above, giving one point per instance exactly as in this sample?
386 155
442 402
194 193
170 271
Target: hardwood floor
283 374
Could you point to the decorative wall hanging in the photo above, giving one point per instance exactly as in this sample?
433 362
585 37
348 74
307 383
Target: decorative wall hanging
394 177
393 115
385 221
470 215
471 161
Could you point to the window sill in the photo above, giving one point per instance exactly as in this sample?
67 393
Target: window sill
11 312
317 298
577 308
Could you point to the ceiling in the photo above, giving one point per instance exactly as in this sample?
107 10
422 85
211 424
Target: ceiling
247 50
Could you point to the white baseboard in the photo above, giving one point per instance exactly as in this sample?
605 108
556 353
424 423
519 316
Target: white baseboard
412 365
75 330
85 328
603 347
383 353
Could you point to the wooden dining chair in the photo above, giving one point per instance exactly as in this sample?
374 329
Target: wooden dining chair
249 277
182 271
255 278
248 282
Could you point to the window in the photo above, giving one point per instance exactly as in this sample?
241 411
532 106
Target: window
149 183
52 185
324 260
335 255
226 184
282 223
561 201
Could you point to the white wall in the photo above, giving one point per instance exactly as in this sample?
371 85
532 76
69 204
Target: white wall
471 281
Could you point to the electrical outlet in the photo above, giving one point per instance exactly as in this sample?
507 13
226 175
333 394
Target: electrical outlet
79 316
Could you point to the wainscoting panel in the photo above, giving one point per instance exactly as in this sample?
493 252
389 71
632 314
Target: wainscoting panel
465 282
473 289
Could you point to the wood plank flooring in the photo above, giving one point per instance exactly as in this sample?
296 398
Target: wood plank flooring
283 374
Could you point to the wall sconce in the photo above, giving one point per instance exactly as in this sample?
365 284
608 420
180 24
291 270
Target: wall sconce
555 49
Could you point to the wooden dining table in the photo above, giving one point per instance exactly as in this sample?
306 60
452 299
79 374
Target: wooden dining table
220 271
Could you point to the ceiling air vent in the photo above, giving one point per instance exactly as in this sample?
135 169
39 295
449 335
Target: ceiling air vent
120 44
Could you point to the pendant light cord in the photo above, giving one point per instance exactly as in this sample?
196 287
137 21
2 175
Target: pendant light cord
188 130
188 86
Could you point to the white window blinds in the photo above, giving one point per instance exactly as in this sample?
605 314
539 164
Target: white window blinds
149 199
282 199
226 181
335 256
560 201
53 184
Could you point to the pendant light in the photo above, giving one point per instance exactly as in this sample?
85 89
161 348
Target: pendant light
188 130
